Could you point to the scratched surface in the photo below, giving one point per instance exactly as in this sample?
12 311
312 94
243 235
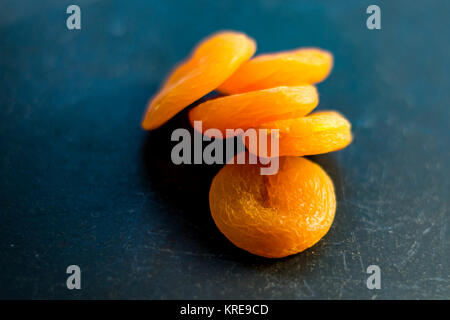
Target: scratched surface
80 183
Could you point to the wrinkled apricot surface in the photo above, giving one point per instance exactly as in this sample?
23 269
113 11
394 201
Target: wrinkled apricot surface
210 64
288 68
250 109
317 133
273 216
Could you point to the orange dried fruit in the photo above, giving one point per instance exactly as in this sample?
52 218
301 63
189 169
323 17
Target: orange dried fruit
210 64
246 110
273 216
288 68
317 133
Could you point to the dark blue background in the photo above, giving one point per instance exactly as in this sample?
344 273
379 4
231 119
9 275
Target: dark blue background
81 183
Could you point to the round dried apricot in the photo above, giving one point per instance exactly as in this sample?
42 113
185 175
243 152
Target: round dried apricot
288 68
317 133
273 216
246 110
210 64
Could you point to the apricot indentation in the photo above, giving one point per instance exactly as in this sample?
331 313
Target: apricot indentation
273 216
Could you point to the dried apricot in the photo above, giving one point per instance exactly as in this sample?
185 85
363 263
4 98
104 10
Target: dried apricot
210 64
246 110
288 68
317 133
273 216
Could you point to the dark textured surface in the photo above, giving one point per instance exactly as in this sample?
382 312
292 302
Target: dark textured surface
81 183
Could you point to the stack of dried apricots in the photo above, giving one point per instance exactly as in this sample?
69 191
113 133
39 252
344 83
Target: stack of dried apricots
267 215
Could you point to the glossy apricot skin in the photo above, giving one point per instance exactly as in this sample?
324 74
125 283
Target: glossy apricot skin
273 216
246 110
317 133
210 64
288 68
